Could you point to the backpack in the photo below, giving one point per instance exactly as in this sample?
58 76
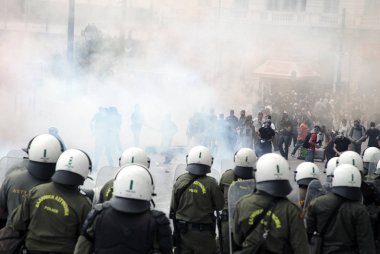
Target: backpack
306 143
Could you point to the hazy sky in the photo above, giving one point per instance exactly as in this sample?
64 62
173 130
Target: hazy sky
184 65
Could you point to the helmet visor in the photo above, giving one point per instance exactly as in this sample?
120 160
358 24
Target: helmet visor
128 205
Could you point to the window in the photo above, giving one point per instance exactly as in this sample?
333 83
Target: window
331 6
242 4
372 7
272 5
286 5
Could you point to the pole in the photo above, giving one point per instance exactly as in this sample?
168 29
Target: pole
70 32
338 79
122 26
70 45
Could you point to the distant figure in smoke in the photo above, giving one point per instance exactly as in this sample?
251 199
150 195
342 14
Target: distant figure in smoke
233 124
137 121
222 137
54 131
100 129
114 126
266 134
168 130
285 135
246 134
196 128
357 135
210 131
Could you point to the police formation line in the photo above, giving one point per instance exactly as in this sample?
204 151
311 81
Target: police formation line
46 212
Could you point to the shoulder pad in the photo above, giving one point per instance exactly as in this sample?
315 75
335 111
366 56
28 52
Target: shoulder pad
160 217
226 173
180 176
98 208
292 204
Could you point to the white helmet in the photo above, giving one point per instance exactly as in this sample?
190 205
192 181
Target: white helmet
245 160
371 154
331 165
199 160
133 189
43 152
272 175
134 155
352 158
347 181
73 167
306 172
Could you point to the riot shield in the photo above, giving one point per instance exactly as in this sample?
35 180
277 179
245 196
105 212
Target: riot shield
104 175
179 170
163 187
314 190
235 192
371 171
11 164
17 153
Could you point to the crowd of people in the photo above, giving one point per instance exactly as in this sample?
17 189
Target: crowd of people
284 124
46 211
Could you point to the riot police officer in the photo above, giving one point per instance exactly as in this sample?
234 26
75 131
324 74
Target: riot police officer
304 174
245 160
126 224
43 152
266 219
195 198
339 217
130 156
52 214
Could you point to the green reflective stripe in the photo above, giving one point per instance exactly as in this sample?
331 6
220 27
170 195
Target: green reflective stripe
45 152
200 155
278 169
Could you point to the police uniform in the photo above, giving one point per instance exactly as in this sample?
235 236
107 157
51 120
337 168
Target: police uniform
287 231
52 214
195 213
106 192
349 232
15 188
226 180
117 232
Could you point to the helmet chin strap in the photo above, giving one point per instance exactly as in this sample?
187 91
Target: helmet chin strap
154 204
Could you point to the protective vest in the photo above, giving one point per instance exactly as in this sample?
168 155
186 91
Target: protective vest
116 232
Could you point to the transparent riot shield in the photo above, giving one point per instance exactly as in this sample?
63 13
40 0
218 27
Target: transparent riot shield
104 175
314 190
235 192
179 170
163 182
371 171
17 153
9 165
